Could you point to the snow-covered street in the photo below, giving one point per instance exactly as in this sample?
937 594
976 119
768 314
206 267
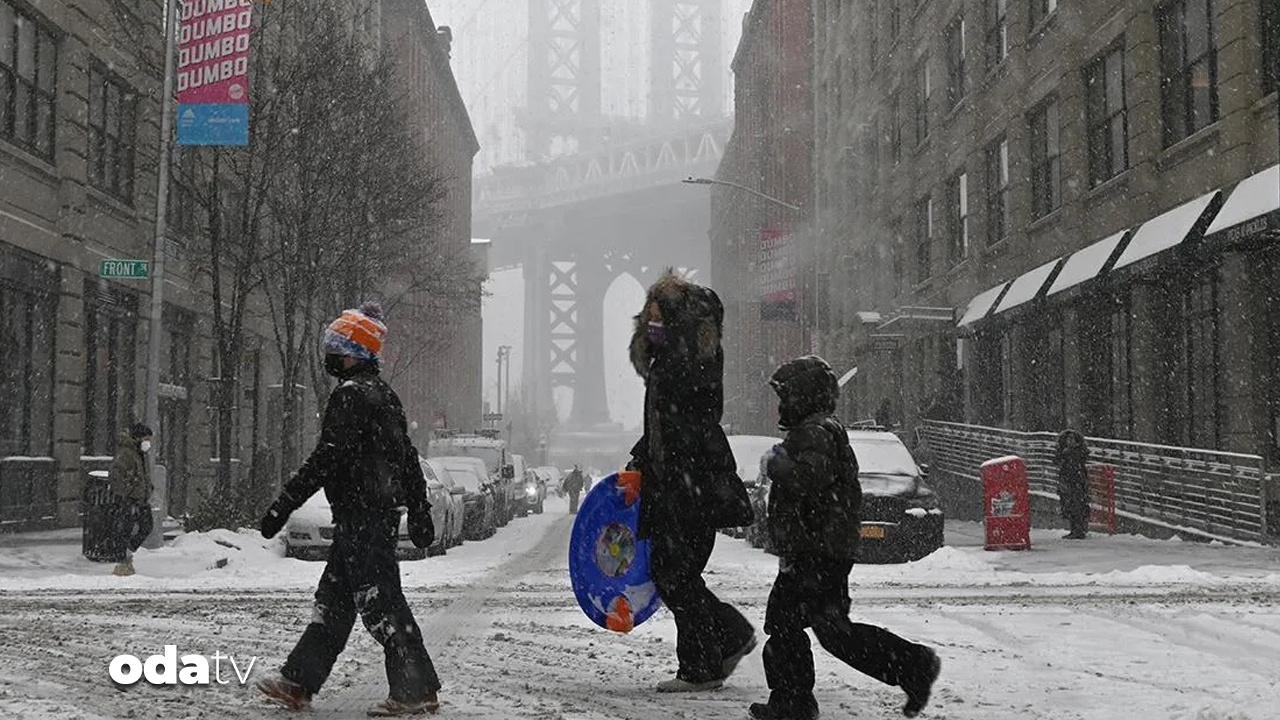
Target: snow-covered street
1113 627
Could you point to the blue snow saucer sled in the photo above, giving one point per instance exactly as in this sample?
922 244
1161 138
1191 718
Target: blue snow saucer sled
608 564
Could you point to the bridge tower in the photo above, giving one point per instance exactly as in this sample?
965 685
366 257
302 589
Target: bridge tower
687 62
567 272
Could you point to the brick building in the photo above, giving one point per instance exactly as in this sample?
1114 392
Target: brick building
770 151
1036 211
79 136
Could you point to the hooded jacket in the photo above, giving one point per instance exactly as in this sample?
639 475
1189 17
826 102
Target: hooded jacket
683 445
1073 476
364 459
128 474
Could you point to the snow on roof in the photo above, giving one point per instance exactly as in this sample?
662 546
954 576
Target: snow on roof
981 304
1165 230
1001 460
1085 264
1027 286
1254 197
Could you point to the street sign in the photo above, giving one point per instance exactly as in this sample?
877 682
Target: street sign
125 269
492 417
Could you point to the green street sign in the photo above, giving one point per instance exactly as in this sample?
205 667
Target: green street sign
125 269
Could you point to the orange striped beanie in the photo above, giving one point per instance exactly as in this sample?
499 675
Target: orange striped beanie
356 333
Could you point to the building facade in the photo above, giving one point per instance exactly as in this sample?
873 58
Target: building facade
1033 207
79 145
760 262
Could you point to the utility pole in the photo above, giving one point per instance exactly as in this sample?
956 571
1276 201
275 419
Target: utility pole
154 340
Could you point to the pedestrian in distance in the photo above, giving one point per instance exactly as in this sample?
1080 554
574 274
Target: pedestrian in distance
1073 483
573 486
368 469
682 455
814 516
131 487
884 414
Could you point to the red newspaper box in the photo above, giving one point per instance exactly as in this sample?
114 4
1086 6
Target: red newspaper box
1007 515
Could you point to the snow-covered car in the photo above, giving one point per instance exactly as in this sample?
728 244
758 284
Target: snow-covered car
308 534
902 519
749 452
499 470
479 519
447 508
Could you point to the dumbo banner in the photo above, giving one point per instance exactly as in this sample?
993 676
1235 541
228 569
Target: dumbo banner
213 72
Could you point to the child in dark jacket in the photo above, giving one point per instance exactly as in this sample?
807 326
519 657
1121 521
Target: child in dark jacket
814 506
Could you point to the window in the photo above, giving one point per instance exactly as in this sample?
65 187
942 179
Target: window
895 20
1046 170
895 128
997 181
997 32
923 90
1200 347
1107 116
1189 68
1270 29
924 239
873 42
111 129
28 319
958 212
1121 378
1041 9
28 72
110 340
955 62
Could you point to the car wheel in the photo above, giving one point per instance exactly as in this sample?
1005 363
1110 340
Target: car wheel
538 510
290 551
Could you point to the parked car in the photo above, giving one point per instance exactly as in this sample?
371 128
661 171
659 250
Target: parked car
902 519
309 533
553 478
749 452
492 450
479 514
447 508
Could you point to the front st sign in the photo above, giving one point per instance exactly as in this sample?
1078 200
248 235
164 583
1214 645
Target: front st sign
125 269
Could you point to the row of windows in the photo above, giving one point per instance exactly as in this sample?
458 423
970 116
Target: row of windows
1188 78
1189 103
28 103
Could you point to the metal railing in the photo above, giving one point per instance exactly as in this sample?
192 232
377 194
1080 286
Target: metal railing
1215 493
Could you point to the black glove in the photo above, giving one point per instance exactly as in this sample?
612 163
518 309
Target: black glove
422 531
274 520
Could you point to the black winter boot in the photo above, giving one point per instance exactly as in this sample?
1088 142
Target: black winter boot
919 684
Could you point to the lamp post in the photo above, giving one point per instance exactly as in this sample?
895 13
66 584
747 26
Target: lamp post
744 188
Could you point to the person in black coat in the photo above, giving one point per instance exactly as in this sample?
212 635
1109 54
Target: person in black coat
814 510
368 469
676 349
1073 483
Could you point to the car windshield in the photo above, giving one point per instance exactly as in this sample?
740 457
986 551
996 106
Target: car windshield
464 477
882 455
887 484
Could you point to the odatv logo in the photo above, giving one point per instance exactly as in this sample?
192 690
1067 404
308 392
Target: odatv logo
170 669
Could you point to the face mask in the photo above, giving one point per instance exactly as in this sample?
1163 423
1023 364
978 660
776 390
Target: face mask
145 445
656 333
333 364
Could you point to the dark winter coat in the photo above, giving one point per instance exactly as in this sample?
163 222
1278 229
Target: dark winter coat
364 459
573 483
128 474
1073 483
815 499
683 446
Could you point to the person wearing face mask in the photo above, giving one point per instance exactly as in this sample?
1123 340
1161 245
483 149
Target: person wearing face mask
132 488
368 469
676 349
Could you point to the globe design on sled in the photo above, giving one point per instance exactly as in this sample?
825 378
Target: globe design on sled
608 563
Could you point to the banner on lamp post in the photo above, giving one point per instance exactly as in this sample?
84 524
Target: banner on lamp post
776 273
213 72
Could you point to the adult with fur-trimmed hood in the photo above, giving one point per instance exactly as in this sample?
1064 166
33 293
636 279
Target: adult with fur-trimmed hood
676 349
368 469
